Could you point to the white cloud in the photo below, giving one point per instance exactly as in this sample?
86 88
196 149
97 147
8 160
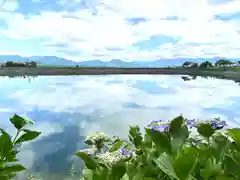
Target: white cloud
93 35
186 98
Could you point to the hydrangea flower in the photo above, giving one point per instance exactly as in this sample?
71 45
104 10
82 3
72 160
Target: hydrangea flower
162 128
217 124
89 151
190 123
154 123
126 152
159 125
111 158
95 138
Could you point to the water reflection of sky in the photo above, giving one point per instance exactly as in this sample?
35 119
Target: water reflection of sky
65 109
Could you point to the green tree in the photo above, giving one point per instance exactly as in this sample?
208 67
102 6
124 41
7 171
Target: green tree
186 64
190 64
206 64
194 65
223 62
33 64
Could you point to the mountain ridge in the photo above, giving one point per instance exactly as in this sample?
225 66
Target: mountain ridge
57 61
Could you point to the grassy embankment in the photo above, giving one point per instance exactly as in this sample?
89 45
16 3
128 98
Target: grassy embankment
232 73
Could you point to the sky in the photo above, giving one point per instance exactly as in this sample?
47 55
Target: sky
120 29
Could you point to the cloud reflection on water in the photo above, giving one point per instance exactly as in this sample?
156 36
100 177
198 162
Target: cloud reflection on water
67 108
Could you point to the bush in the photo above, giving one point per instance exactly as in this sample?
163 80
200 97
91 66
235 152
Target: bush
8 147
166 150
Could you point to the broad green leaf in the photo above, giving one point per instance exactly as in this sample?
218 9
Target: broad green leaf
164 162
235 134
131 170
1 164
5 144
220 144
185 163
134 131
222 177
118 170
211 170
178 141
103 174
87 174
205 130
12 169
175 125
138 176
116 146
135 136
147 138
149 171
4 177
125 177
19 121
162 141
89 161
231 166
191 178
27 136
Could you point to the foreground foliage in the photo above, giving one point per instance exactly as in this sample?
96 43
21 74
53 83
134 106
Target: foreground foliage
9 147
180 149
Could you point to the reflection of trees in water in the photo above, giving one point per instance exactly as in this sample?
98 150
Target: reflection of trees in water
29 78
54 152
189 78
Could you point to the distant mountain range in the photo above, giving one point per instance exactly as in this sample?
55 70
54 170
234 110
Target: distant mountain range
56 61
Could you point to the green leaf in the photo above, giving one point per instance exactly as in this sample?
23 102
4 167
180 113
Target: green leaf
231 166
27 136
116 146
205 130
147 138
5 144
131 170
178 141
164 162
210 170
118 170
134 131
89 161
87 174
11 169
103 174
135 136
235 134
221 145
222 177
175 125
138 176
19 121
185 163
162 141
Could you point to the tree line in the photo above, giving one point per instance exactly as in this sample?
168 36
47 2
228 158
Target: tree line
20 64
206 64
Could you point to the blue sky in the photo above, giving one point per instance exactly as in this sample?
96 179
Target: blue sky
125 29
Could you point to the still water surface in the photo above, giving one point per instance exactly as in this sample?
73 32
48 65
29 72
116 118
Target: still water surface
66 109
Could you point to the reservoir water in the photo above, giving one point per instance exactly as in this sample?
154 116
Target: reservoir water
67 108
